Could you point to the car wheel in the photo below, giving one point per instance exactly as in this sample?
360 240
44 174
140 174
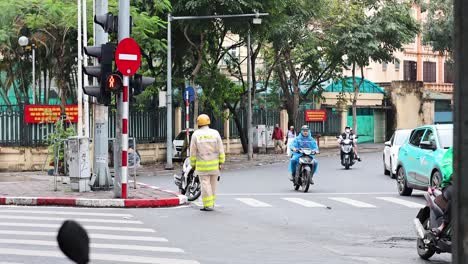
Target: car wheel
402 185
436 179
386 172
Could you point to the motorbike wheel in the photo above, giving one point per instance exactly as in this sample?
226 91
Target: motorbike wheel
424 252
306 180
194 190
436 179
346 165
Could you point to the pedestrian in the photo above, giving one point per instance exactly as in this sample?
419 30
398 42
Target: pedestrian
207 156
278 138
289 140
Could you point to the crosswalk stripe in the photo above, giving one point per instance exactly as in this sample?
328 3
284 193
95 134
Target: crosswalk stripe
401 202
92 235
88 227
93 245
63 219
253 202
352 202
303 202
96 256
62 213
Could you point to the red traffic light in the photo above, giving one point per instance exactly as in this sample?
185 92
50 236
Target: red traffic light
113 83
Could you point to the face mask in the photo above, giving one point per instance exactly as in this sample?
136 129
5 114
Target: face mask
347 131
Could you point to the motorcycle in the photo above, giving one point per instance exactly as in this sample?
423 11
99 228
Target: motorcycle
348 158
188 182
305 169
428 218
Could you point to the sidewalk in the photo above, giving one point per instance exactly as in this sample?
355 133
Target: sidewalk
37 188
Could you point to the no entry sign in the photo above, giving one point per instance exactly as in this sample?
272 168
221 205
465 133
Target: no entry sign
128 57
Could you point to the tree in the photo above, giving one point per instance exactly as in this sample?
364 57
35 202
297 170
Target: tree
372 30
438 28
303 55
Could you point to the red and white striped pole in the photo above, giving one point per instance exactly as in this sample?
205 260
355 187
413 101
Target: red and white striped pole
124 140
187 122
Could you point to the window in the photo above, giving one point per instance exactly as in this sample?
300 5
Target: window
416 137
410 70
384 66
429 71
429 136
448 73
397 65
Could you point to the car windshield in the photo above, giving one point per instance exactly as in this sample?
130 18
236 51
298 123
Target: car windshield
445 138
182 135
400 137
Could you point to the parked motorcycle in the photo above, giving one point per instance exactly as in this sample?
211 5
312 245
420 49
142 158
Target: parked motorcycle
305 169
348 157
428 218
188 182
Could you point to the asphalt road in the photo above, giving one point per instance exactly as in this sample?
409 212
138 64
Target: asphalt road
353 216
347 217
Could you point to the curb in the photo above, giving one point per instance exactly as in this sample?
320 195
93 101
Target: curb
111 203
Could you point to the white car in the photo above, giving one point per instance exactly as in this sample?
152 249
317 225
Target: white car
178 143
390 153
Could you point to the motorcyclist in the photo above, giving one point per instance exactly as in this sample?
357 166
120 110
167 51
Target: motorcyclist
447 187
348 134
303 140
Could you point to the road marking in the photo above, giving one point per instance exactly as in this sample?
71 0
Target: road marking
93 245
92 235
94 257
63 219
64 213
302 194
352 202
88 227
253 202
402 202
303 202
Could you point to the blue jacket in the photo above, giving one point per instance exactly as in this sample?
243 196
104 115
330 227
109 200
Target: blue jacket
305 142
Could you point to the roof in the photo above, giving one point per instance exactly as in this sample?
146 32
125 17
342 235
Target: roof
436 96
366 87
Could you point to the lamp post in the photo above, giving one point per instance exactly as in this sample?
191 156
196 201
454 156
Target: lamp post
23 41
170 18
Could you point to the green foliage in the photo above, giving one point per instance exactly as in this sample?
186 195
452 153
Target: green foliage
55 140
438 28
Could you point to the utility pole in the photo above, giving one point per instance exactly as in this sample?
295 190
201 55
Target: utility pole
85 63
79 89
101 176
169 165
460 143
249 109
124 32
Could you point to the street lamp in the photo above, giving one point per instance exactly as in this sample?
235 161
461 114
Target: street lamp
23 41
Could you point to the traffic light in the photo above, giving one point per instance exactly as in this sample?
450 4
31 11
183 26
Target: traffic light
105 56
114 83
139 83
108 22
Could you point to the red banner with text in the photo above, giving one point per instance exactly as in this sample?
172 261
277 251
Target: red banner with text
315 115
34 114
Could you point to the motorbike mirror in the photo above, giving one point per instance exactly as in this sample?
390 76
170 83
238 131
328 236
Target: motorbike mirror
388 144
73 240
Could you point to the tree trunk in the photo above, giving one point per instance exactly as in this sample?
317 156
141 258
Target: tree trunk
356 87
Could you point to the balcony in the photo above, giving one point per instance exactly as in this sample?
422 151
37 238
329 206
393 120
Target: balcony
439 87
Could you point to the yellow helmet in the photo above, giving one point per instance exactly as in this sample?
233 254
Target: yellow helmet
203 120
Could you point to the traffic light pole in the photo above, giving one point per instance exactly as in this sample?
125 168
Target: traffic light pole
101 179
460 143
124 32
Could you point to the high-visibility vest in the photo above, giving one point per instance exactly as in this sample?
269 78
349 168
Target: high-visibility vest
206 151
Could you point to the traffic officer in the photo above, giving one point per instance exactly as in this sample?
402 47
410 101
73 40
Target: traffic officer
207 156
